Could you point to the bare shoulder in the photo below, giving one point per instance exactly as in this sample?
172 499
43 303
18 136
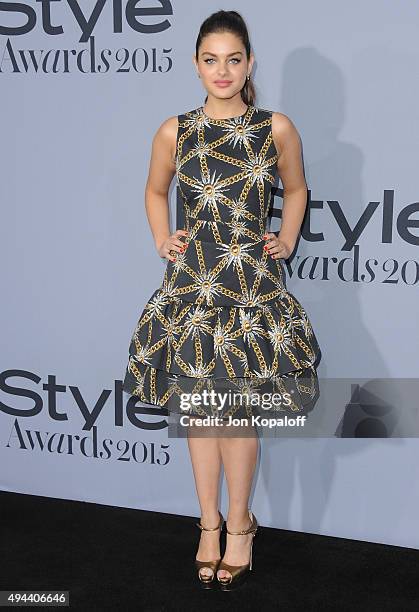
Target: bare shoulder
167 130
165 137
284 132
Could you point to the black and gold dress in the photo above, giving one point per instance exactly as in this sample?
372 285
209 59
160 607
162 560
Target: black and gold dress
222 321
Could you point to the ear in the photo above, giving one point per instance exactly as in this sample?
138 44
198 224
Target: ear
195 61
251 61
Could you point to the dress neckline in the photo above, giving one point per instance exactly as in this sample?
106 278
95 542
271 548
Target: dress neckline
224 118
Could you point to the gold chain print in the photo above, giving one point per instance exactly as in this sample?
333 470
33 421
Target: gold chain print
222 319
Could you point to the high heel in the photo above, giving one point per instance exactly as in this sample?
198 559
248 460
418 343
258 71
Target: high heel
238 573
206 582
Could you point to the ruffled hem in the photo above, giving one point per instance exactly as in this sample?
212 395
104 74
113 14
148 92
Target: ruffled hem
181 347
291 394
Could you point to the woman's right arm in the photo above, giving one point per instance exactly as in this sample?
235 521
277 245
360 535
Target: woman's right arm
161 171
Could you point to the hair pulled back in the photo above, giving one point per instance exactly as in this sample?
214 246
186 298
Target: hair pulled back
229 21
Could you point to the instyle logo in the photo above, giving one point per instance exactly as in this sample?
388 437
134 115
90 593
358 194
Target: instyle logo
19 18
48 440
388 226
49 401
402 222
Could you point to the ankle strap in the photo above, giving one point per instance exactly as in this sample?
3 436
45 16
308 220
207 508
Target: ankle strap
220 524
253 527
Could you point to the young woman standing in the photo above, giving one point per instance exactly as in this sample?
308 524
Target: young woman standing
223 318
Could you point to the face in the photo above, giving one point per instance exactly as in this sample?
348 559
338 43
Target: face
222 64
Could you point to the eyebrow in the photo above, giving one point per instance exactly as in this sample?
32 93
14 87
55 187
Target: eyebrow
228 54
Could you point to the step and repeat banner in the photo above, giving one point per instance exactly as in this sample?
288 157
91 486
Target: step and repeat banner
84 87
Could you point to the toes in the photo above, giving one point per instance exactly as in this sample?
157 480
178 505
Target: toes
224 574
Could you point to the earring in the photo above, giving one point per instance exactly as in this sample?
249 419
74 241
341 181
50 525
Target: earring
248 76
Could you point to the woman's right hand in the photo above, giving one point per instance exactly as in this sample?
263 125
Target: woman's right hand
173 245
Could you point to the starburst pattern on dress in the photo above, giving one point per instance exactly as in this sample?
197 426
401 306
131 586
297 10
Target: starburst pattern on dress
237 228
261 268
139 385
197 322
199 371
280 336
265 372
305 324
240 132
207 286
180 261
234 252
157 303
168 291
222 340
250 326
265 309
197 120
143 355
257 169
250 297
202 149
238 209
170 329
209 189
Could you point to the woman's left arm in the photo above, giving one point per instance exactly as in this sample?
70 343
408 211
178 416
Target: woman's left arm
290 167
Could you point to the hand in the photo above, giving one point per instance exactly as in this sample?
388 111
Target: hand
173 245
276 247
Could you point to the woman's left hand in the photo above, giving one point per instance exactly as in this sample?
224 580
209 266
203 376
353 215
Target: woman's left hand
276 247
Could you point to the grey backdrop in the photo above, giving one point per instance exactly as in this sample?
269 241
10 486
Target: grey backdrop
79 261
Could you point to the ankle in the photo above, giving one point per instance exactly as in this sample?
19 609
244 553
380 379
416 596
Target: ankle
238 521
210 518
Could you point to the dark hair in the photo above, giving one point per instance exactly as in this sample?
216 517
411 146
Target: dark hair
229 21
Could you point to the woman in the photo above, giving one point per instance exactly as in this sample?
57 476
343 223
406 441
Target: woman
222 319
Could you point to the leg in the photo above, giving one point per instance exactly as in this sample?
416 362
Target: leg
206 464
239 455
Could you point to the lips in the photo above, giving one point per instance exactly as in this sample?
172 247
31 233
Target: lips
223 83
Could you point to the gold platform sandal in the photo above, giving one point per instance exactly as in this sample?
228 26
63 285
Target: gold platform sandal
238 573
207 582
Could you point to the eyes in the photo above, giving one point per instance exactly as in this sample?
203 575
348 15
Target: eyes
233 59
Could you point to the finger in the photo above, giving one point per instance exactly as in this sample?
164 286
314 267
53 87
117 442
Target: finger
268 235
269 245
176 242
181 232
281 252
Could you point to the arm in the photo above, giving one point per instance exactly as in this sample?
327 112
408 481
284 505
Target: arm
290 168
161 171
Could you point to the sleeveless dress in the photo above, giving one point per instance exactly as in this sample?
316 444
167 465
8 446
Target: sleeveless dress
222 321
